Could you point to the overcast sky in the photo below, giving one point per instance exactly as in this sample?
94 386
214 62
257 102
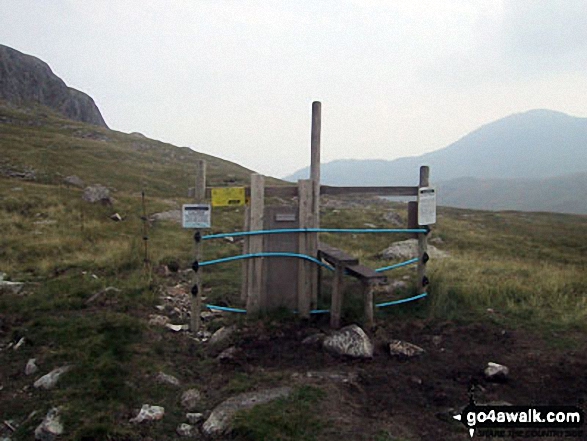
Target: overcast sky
236 78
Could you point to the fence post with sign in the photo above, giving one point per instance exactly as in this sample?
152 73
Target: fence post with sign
197 216
426 217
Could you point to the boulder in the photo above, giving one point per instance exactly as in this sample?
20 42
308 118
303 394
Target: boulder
171 215
49 381
149 413
97 193
190 399
220 421
408 249
51 426
221 339
349 341
194 418
74 180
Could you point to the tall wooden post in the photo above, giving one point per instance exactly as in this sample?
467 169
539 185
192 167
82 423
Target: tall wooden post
315 177
196 298
305 200
422 237
255 277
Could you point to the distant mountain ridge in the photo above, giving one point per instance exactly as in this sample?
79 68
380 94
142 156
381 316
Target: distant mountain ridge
27 80
536 144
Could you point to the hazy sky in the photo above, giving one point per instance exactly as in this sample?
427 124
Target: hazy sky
236 78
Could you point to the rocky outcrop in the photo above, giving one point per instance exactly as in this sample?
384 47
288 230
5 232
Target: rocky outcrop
26 80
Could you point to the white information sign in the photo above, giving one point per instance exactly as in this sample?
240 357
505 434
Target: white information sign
426 206
196 215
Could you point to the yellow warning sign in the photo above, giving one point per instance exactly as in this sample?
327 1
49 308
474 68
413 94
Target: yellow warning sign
228 196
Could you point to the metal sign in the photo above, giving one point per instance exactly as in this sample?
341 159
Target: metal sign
196 215
426 206
228 196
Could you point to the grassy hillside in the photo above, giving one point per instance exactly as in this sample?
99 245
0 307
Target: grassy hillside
513 288
39 140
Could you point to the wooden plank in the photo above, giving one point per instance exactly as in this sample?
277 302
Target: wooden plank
378 191
422 238
335 256
368 299
337 297
315 177
413 217
246 263
291 191
196 300
305 189
365 273
254 300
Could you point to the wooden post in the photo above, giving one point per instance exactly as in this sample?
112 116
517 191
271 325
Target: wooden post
315 177
196 299
305 191
368 299
337 296
246 262
255 278
422 238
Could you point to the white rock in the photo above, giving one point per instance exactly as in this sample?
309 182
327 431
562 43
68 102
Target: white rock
190 399
51 426
408 249
222 337
149 413
31 367
404 349
186 430
351 341
167 379
49 380
177 328
18 345
220 419
194 418
496 372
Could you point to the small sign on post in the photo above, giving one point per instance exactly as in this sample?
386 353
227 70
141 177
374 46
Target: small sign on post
228 196
426 206
196 216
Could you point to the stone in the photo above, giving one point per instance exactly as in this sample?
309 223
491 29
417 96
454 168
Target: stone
12 287
74 180
194 418
222 338
171 215
49 381
408 249
404 349
149 413
349 341
190 399
31 367
51 427
496 372
19 344
97 193
220 420
164 378
116 217
186 430
314 340
229 355
158 320
177 328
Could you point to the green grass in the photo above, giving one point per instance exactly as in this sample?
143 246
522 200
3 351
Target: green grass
292 418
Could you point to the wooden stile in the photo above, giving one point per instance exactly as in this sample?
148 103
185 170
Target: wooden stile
422 238
305 201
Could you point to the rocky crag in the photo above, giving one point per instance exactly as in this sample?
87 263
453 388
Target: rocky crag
26 80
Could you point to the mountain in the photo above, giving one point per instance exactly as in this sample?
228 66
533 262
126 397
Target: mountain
563 194
536 144
26 80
